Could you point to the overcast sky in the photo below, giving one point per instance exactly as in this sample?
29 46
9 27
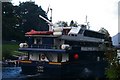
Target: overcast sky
100 13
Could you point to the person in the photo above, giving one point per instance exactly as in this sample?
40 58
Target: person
44 58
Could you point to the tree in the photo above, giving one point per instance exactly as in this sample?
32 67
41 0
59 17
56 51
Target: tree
62 24
8 21
72 23
17 20
113 67
29 17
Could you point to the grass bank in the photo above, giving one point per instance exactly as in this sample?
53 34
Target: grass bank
9 49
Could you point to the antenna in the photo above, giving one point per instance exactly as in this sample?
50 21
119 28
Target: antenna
87 22
86 18
51 15
48 9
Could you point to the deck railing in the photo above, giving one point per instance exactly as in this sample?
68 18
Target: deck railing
43 46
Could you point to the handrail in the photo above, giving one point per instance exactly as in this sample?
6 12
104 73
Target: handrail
43 46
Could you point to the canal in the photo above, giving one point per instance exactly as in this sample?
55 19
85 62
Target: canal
14 73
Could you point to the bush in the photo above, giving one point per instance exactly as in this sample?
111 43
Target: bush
8 49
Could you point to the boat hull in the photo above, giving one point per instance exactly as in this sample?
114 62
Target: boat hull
67 70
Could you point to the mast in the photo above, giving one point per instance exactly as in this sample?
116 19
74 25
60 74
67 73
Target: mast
49 22
51 15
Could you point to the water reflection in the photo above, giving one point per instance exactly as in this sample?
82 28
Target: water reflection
11 73
14 73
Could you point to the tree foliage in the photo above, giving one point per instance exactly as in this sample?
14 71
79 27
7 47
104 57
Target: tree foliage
17 20
113 69
65 24
62 24
73 23
8 20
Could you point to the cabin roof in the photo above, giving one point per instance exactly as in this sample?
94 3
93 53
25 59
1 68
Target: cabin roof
33 32
75 30
81 38
42 36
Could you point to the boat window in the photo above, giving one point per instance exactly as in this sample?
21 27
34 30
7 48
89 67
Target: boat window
39 40
81 31
93 34
30 41
34 56
49 57
57 57
65 57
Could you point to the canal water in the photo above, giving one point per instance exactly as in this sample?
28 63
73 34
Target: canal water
14 73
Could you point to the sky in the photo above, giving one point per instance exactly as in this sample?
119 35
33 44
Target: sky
100 13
